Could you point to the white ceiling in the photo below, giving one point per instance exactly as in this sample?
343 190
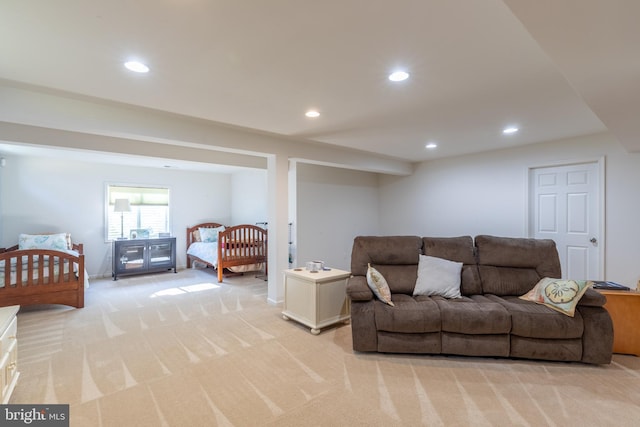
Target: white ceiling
475 66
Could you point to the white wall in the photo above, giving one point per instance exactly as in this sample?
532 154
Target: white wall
467 195
333 206
486 194
249 197
55 195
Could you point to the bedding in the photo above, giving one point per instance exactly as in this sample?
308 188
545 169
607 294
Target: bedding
24 266
208 252
238 249
43 269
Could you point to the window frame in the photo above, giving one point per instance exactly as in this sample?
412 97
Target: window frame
107 206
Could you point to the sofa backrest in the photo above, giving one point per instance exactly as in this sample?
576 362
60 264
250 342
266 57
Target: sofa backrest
458 249
395 257
513 266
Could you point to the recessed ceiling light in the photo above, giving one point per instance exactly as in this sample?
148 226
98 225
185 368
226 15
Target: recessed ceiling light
136 66
431 145
398 76
312 113
510 130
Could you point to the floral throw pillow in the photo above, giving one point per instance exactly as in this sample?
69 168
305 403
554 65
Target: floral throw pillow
379 285
560 295
210 234
57 241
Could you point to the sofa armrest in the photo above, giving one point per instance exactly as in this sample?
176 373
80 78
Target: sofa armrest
592 298
358 289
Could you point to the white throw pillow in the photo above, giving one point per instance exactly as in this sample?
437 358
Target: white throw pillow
438 276
379 285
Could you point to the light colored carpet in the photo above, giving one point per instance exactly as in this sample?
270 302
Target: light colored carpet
182 350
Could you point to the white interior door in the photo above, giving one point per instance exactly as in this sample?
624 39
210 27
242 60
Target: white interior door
566 208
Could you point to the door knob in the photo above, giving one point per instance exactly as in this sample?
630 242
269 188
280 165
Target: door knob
594 240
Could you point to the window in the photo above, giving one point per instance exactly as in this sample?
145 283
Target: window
148 210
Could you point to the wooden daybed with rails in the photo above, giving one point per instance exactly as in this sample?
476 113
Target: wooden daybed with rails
42 276
238 248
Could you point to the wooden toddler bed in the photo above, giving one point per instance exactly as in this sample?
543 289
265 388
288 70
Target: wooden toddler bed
238 248
42 276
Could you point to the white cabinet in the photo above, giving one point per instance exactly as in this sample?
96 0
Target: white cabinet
8 351
316 299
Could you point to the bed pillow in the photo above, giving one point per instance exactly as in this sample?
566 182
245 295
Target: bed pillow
438 276
379 285
56 241
210 234
560 295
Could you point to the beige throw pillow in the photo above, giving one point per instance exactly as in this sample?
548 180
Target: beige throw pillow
379 285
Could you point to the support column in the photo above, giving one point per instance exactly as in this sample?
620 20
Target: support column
277 176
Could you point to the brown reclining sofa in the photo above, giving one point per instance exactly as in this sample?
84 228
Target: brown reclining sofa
489 319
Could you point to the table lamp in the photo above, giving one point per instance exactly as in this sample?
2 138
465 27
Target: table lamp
122 206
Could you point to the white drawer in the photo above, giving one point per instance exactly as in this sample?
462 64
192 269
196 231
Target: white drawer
4 381
8 336
8 352
8 372
12 362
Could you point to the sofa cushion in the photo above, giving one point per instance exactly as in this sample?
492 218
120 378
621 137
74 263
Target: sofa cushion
507 280
597 338
358 289
410 315
592 298
364 335
567 350
474 315
395 257
513 266
532 320
438 276
427 343
400 278
459 249
492 345
384 250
